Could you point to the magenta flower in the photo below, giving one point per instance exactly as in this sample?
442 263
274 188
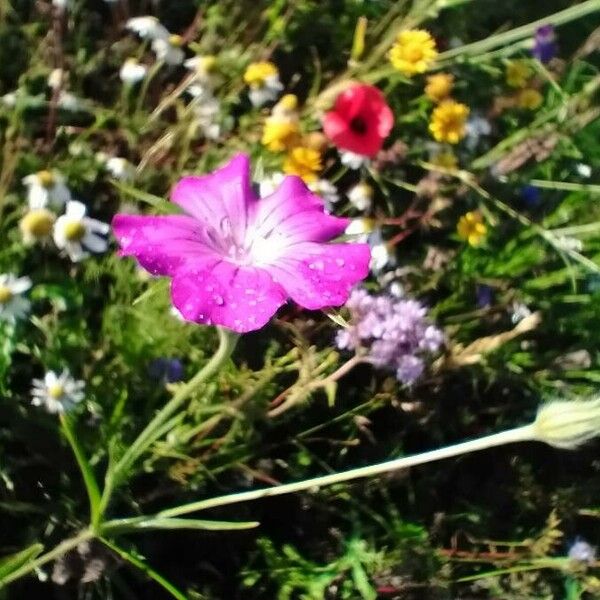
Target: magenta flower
235 259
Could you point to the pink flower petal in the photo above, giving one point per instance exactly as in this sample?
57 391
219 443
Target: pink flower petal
292 213
240 298
220 200
161 244
319 275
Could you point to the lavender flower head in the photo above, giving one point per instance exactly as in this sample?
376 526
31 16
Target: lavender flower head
544 44
582 551
394 332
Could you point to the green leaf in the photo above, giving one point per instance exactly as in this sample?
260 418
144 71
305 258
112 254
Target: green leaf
155 201
166 523
87 473
15 561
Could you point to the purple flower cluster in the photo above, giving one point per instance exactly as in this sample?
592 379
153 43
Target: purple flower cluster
544 44
394 332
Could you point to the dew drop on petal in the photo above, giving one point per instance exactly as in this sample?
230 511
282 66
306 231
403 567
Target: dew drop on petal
218 300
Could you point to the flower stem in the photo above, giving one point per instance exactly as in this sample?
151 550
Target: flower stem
227 343
87 472
62 548
519 434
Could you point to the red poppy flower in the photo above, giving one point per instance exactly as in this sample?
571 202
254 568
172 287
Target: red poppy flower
359 121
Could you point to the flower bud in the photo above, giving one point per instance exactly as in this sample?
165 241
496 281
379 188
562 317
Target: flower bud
568 424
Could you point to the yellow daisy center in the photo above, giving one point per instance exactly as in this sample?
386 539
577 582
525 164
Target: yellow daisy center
37 223
75 231
46 178
257 73
175 40
5 294
56 391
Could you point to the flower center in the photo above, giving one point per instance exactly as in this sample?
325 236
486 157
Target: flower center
55 391
358 125
46 178
414 54
37 223
75 231
5 294
176 40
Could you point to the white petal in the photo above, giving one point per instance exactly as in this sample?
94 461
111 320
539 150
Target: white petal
22 284
50 379
37 196
97 226
94 243
75 209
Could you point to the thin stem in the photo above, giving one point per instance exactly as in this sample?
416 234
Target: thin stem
62 548
145 568
519 434
87 473
227 342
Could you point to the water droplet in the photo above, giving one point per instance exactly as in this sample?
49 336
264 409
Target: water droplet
340 262
209 288
252 303
218 300
319 265
250 291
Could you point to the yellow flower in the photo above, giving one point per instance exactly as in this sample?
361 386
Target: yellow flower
413 51
304 162
529 99
257 73
282 130
448 121
287 104
471 228
517 73
439 86
280 134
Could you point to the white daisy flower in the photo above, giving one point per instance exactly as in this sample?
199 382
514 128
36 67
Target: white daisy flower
120 168
269 184
68 101
13 306
364 231
169 50
360 229
268 92
361 196
380 257
46 189
476 127
206 112
583 170
202 68
57 393
77 234
353 161
132 71
36 225
147 27
326 190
